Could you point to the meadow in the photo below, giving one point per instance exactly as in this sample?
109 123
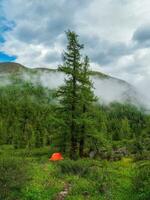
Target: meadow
29 175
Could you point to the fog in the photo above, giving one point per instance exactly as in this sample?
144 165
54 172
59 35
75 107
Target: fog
51 80
107 90
110 90
143 88
4 81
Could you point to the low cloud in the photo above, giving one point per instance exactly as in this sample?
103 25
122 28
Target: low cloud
116 33
107 90
110 90
51 80
143 88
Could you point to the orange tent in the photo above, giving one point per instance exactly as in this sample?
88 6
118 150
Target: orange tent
56 156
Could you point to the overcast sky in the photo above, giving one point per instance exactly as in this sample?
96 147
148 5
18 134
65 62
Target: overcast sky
116 34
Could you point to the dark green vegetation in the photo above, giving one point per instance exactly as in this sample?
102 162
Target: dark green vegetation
29 117
28 175
76 98
113 141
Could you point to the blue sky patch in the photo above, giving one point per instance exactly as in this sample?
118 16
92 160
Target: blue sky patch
6 58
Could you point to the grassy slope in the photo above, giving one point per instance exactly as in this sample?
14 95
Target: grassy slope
89 179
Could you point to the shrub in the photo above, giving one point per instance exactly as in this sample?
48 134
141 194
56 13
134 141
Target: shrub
80 167
12 179
73 167
145 155
141 181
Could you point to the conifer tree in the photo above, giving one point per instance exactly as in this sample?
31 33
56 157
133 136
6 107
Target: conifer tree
70 93
86 101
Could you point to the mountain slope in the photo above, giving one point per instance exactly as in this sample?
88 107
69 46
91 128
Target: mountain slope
107 88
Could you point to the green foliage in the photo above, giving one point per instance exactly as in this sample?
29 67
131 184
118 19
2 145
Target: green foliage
82 174
30 117
69 94
26 116
30 175
141 181
43 184
75 97
13 177
80 167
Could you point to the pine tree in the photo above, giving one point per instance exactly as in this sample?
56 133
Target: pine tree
86 101
70 93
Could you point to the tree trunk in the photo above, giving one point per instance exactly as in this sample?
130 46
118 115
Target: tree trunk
82 138
81 147
73 149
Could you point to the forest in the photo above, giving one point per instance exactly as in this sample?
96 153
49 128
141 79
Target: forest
106 148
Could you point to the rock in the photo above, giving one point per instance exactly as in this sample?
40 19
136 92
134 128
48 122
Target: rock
92 154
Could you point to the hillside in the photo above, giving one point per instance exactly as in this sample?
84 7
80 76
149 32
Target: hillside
10 67
16 68
107 88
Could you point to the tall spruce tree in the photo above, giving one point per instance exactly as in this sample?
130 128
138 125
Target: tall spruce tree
76 97
86 101
70 93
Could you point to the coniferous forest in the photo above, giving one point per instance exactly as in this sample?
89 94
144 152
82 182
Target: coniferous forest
106 147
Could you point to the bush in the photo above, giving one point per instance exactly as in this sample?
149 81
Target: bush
145 155
80 167
73 167
12 179
91 180
142 181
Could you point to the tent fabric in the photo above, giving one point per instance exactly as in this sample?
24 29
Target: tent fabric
56 156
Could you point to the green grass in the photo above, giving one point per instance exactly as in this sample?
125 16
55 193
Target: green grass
88 179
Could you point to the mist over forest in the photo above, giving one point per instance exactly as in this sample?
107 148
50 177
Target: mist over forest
74 100
107 89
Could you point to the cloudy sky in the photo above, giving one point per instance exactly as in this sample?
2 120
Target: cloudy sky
116 34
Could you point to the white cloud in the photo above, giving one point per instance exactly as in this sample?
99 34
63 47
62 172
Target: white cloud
106 27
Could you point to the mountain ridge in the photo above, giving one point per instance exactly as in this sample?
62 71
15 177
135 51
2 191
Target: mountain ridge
107 88
14 67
